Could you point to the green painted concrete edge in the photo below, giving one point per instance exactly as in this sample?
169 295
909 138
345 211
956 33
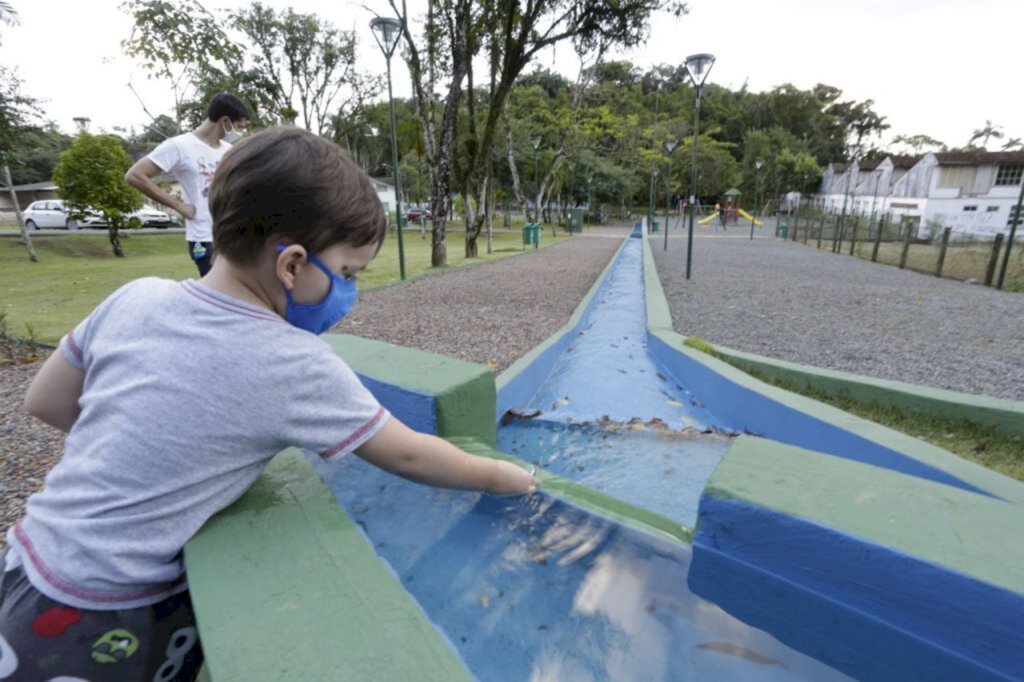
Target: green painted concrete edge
970 472
464 391
286 587
1005 415
659 316
977 475
590 499
973 534
520 365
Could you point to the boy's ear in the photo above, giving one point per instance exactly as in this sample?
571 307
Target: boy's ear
290 261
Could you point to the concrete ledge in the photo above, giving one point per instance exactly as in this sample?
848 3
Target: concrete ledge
590 499
429 392
864 558
286 587
1005 415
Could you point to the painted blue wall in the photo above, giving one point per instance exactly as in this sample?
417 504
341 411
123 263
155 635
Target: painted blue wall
417 410
745 410
834 596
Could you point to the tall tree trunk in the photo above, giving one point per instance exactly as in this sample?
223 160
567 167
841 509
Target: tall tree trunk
517 187
114 234
25 239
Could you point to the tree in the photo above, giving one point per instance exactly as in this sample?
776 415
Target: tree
179 41
37 154
15 111
1012 144
90 176
918 143
509 33
984 133
306 64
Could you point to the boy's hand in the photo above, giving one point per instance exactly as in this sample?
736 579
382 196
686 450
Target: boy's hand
510 479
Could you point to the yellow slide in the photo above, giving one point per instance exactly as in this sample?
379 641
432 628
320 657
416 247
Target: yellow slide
750 217
708 219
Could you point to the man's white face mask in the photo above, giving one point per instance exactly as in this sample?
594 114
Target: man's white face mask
231 135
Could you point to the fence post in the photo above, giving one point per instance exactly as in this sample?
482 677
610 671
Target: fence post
821 228
990 271
853 234
906 244
942 251
796 224
835 236
878 238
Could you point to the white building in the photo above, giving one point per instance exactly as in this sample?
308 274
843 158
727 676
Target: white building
971 192
386 193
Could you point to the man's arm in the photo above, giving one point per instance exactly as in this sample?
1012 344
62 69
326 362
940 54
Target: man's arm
432 461
54 392
140 176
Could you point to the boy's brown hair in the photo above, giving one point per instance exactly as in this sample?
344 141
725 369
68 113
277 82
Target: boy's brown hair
290 182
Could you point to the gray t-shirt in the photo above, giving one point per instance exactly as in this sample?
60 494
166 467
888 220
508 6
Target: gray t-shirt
188 394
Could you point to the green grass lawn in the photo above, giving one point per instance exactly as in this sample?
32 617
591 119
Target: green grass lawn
76 272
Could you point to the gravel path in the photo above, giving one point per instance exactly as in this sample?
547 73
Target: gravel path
491 314
793 302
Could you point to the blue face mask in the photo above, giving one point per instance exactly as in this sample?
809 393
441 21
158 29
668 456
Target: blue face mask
319 317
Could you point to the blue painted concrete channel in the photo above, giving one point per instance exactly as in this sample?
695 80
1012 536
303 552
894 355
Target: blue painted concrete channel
538 588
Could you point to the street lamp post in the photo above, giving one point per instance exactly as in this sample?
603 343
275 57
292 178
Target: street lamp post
757 190
1015 219
853 151
650 202
697 68
590 194
536 140
670 147
387 31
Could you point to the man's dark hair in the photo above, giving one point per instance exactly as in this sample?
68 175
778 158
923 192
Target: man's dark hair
290 182
225 104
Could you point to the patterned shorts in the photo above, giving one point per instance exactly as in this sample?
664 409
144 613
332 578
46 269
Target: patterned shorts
43 640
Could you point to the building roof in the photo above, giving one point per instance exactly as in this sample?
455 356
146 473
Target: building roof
979 158
867 165
904 161
32 187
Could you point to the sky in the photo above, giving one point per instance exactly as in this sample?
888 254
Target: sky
934 67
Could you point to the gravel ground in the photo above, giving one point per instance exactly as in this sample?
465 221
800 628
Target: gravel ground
491 314
793 302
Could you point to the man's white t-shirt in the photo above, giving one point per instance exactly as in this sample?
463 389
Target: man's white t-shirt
192 163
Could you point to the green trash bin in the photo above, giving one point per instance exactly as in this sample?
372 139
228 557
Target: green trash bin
654 226
783 230
536 235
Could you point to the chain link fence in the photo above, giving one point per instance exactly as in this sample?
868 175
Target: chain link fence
936 250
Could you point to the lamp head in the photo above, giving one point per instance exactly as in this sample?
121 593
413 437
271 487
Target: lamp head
82 123
698 66
535 140
758 164
670 146
387 31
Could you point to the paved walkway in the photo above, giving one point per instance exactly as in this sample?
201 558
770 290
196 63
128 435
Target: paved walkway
793 302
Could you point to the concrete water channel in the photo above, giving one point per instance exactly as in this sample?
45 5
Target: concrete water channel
694 524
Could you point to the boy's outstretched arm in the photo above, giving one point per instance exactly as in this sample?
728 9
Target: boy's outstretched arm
54 392
430 460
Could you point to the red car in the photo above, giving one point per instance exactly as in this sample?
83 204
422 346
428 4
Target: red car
413 214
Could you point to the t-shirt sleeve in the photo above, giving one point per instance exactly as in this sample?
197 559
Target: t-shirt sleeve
330 411
75 344
166 155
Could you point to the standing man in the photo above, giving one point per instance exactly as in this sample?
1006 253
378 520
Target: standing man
192 158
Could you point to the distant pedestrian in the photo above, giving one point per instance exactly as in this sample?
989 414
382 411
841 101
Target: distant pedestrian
721 214
192 158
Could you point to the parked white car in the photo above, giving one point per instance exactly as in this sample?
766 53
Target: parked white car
53 213
150 217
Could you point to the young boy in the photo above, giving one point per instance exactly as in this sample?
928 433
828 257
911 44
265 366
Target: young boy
175 395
